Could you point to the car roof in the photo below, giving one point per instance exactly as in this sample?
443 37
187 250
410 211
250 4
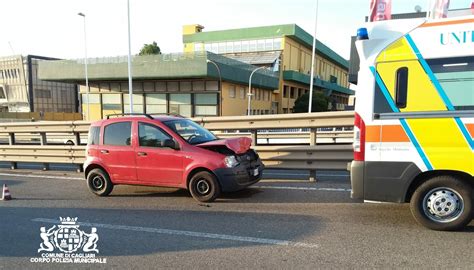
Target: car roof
160 118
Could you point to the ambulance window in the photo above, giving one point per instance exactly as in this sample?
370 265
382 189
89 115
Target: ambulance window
456 78
380 102
401 87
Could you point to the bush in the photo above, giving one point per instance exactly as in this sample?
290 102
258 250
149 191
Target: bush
320 103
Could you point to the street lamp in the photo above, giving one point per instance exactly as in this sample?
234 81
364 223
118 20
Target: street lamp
313 55
249 94
220 82
85 65
130 88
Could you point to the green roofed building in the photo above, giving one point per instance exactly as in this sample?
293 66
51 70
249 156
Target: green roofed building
189 84
285 49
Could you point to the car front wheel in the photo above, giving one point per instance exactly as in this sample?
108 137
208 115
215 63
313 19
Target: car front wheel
203 187
443 203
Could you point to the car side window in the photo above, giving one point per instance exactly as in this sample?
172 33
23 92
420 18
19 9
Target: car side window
93 136
151 135
118 134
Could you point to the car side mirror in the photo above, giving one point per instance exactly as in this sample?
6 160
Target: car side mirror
170 143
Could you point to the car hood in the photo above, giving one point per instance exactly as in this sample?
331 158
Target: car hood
238 145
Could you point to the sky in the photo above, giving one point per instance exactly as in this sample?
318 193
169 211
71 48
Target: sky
53 28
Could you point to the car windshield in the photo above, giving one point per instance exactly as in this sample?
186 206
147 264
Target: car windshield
190 131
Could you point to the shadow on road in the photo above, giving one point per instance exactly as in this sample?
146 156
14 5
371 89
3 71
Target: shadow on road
127 232
249 195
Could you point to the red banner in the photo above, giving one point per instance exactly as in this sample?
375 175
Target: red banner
380 10
472 7
439 9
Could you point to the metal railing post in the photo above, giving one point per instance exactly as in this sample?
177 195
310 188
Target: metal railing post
11 141
77 138
254 137
44 141
312 136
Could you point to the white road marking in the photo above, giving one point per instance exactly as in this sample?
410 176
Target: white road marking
304 188
265 241
41 176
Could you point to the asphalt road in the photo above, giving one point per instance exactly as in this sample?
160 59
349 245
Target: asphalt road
281 223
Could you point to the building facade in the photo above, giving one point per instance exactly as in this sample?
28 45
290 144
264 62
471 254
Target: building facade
285 49
188 84
22 91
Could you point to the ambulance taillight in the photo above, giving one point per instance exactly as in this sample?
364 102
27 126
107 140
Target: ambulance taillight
359 138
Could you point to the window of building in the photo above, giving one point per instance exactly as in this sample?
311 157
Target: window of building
285 91
118 134
180 104
285 110
93 99
173 86
222 47
242 93
208 47
252 45
253 93
104 87
156 103
149 86
185 86
198 47
232 91
2 93
292 92
111 103
332 79
245 46
198 86
268 44
237 46
151 136
137 103
205 104
260 45
229 47
215 48
212 86
160 86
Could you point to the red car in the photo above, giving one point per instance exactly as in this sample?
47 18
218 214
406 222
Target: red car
167 151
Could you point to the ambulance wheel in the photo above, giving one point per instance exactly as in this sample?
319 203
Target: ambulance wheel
99 182
443 203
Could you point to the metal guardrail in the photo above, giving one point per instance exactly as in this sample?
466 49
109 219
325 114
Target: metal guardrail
308 157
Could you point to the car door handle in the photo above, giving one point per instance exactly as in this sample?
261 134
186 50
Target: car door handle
104 151
142 154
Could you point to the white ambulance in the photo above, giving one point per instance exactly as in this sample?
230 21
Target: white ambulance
414 118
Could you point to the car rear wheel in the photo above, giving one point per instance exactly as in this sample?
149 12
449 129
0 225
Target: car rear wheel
204 187
443 203
99 182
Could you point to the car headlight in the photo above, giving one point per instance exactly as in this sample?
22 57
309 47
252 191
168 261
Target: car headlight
230 161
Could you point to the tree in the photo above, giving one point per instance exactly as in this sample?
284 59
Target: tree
319 104
149 49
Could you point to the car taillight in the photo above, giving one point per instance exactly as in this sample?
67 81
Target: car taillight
359 138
